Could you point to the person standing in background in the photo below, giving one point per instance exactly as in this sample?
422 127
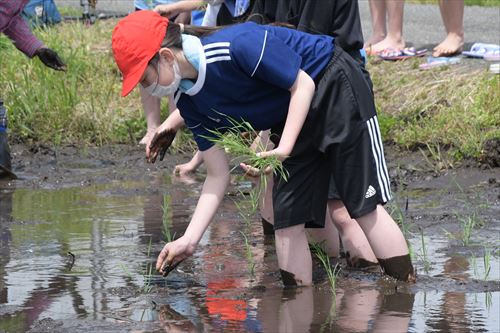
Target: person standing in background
452 12
16 28
387 26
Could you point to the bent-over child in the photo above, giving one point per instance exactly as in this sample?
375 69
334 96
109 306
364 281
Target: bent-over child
306 89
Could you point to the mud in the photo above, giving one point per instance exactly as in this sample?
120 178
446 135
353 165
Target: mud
399 268
109 208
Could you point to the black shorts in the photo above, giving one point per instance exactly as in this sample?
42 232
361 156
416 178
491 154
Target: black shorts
340 140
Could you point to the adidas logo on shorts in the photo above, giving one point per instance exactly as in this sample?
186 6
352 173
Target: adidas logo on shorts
370 192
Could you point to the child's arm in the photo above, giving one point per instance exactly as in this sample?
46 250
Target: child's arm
211 196
151 106
302 93
164 136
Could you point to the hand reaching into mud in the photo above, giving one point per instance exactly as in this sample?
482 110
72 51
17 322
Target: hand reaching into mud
172 255
160 143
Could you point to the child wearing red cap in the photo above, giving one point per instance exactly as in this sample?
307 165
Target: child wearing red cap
306 89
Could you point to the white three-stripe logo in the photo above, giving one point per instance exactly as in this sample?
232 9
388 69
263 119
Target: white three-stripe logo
217 52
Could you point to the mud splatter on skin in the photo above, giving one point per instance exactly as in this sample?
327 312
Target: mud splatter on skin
399 268
289 279
356 262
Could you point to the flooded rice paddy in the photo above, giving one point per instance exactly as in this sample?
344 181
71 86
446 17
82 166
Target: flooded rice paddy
80 232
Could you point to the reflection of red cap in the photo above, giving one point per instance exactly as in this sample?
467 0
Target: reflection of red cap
135 40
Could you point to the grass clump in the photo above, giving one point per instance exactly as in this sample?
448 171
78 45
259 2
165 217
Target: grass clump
453 110
82 105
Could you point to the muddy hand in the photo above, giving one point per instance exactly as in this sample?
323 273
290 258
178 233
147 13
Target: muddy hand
159 144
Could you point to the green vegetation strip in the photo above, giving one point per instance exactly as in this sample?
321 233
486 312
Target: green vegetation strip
453 108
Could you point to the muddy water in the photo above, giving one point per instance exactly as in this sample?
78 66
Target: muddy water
77 247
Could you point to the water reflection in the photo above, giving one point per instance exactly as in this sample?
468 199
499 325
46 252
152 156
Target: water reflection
109 228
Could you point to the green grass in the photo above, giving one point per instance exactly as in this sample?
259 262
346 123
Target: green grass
484 3
450 112
82 105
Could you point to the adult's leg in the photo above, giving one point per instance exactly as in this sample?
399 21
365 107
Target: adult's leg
378 16
388 243
452 12
294 256
394 38
354 241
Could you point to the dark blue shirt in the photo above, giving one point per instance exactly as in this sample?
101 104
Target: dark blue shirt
245 74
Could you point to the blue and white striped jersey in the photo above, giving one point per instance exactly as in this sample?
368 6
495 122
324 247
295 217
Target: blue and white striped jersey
245 73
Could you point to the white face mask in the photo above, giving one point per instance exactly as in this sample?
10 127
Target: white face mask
159 90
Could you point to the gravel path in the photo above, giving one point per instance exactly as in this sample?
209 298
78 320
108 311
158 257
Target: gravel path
423 26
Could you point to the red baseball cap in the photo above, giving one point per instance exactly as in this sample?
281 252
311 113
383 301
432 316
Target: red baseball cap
135 40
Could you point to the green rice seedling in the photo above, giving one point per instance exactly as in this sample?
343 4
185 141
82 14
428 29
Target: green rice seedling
473 262
249 255
148 272
332 273
166 221
468 225
249 205
125 269
488 299
239 146
486 263
423 253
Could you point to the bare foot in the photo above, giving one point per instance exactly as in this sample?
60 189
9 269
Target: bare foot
387 43
374 39
452 45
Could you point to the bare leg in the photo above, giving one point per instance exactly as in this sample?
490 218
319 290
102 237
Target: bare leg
294 257
388 244
378 15
328 235
394 38
151 106
452 12
355 243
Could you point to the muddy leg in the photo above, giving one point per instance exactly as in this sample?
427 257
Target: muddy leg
356 245
294 257
388 244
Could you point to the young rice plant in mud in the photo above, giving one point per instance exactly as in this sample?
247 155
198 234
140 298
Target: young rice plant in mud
423 253
249 255
486 264
332 273
166 220
148 272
